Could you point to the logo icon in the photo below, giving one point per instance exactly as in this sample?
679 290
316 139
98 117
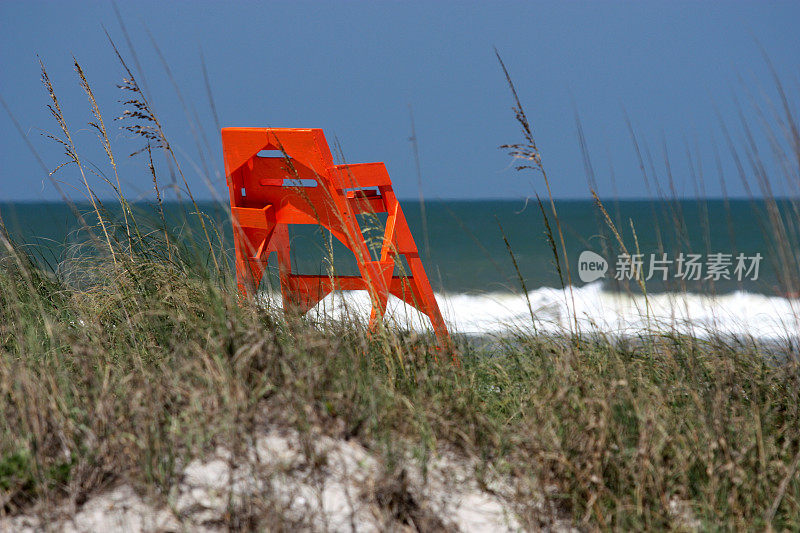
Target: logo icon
591 266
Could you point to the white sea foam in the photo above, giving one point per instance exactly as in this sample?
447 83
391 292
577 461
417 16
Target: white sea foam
738 314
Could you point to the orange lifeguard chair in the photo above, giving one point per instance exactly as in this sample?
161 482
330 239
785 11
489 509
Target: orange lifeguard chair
298 183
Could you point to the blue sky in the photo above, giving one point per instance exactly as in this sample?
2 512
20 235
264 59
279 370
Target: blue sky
356 68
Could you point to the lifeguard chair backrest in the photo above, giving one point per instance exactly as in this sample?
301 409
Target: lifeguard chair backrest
295 158
302 178
243 144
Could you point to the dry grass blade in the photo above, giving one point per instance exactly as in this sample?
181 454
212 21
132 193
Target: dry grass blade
529 152
146 124
520 277
99 125
72 155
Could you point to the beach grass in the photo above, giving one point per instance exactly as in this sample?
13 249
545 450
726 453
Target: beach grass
149 364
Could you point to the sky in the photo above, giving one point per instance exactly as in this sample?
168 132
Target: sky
360 69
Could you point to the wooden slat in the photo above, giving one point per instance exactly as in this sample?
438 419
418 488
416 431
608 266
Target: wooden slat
248 217
361 175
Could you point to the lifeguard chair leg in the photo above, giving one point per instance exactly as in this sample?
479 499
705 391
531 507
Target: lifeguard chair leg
381 272
249 264
398 241
429 303
281 245
374 273
252 231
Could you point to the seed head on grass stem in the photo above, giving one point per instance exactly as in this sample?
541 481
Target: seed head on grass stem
529 153
145 124
72 154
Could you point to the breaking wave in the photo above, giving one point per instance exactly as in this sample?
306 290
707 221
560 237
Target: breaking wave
738 314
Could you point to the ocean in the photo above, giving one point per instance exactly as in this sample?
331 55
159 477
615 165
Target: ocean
704 266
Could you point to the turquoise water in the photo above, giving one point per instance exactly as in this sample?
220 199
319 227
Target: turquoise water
463 248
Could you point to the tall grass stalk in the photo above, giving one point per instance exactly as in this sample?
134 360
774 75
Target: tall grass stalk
529 152
73 158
